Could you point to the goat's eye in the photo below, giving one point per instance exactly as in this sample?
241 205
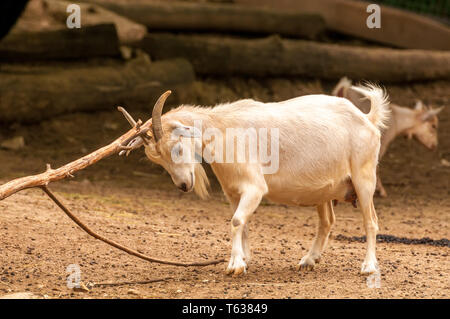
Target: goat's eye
178 150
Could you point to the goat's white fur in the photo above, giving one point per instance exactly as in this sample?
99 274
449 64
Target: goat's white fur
325 142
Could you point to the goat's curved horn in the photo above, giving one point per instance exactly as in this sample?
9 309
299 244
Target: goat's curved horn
156 116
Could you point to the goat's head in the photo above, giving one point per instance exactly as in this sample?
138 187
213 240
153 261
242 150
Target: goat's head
174 146
426 124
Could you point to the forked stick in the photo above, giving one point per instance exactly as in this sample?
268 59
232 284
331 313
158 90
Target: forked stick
125 142
139 140
52 175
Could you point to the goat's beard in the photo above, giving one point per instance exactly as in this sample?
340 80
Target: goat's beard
201 181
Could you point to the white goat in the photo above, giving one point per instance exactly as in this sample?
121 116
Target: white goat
420 122
328 150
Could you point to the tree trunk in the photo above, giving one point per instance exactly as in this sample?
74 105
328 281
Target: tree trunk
182 16
400 28
273 56
32 94
87 42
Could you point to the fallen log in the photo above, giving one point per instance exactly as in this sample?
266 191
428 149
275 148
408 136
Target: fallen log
42 180
273 56
399 28
53 16
62 44
183 16
31 94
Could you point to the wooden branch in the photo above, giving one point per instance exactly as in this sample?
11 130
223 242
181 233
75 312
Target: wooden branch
118 246
122 283
274 56
52 175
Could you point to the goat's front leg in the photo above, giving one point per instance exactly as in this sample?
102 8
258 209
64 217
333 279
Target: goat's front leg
248 202
234 202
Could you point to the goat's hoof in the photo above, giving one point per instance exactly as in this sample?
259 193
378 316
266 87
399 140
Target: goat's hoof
236 271
369 268
236 266
307 263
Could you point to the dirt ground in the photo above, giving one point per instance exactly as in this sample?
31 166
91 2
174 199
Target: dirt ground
135 203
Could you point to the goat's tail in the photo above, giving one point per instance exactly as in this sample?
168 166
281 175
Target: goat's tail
379 103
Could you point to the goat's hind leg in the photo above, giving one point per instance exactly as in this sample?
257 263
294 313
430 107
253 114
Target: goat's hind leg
326 220
364 181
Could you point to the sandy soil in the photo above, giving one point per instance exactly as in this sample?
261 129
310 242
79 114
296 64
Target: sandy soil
135 203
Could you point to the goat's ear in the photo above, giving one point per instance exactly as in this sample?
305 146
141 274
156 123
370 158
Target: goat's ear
340 88
436 111
151 151
185 130
419 106
429 114
409 134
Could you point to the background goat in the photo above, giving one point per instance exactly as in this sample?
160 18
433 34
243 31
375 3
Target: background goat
421 122
328 150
